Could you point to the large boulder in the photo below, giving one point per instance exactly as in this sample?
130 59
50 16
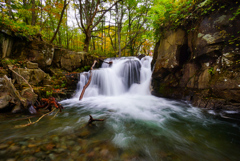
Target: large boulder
68 60
41 53
20 100
32 76
169 49
31 65
36 51
28 94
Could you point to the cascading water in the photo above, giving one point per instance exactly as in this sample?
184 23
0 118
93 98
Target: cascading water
137 126
125 75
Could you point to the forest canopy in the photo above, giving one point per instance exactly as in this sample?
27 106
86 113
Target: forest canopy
103 27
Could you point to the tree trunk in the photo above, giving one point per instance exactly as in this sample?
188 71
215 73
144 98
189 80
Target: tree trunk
25 7
10 13
41 15
59 38
33 13
87 41
119 23
60 21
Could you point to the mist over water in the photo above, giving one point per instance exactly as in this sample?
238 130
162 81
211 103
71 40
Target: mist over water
151 126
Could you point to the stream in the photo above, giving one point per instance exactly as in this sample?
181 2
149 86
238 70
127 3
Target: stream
136 126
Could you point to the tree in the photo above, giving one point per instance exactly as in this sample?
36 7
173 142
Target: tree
60 20
33 13
91 14
119 26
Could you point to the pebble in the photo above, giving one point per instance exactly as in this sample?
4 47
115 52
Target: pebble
14 148
3 146
77 148
2 152
74 154
23 143
55 139
91 154
11 159
71 143
59 150
32 145
31 159
104 152
39 154
52 156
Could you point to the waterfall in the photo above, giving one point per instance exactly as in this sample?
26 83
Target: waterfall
124 75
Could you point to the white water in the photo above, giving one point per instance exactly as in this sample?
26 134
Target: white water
109 95
137 120
118 79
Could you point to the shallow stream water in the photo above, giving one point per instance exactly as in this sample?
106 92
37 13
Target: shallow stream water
136 126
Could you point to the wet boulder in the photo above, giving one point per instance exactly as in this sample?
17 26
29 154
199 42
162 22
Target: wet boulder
5 101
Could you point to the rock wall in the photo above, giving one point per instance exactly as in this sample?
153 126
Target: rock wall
201 64
43 53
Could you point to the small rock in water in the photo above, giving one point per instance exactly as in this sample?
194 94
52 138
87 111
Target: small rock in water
31 145
31 159
71 143
14 148
74 154
91 154
3 146
39 154
104 152
55 139
2 152
32 110
11 159
52 156
77 148
23 143
50 146
59 150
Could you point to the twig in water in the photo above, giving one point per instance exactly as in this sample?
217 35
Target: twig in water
91 119
31 123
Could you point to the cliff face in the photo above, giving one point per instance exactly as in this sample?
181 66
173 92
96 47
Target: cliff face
201 64
33 61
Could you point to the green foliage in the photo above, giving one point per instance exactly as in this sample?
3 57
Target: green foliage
211 71
87 68
49 93
63 85
9 61
19 28
56 86
171 14
235 14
